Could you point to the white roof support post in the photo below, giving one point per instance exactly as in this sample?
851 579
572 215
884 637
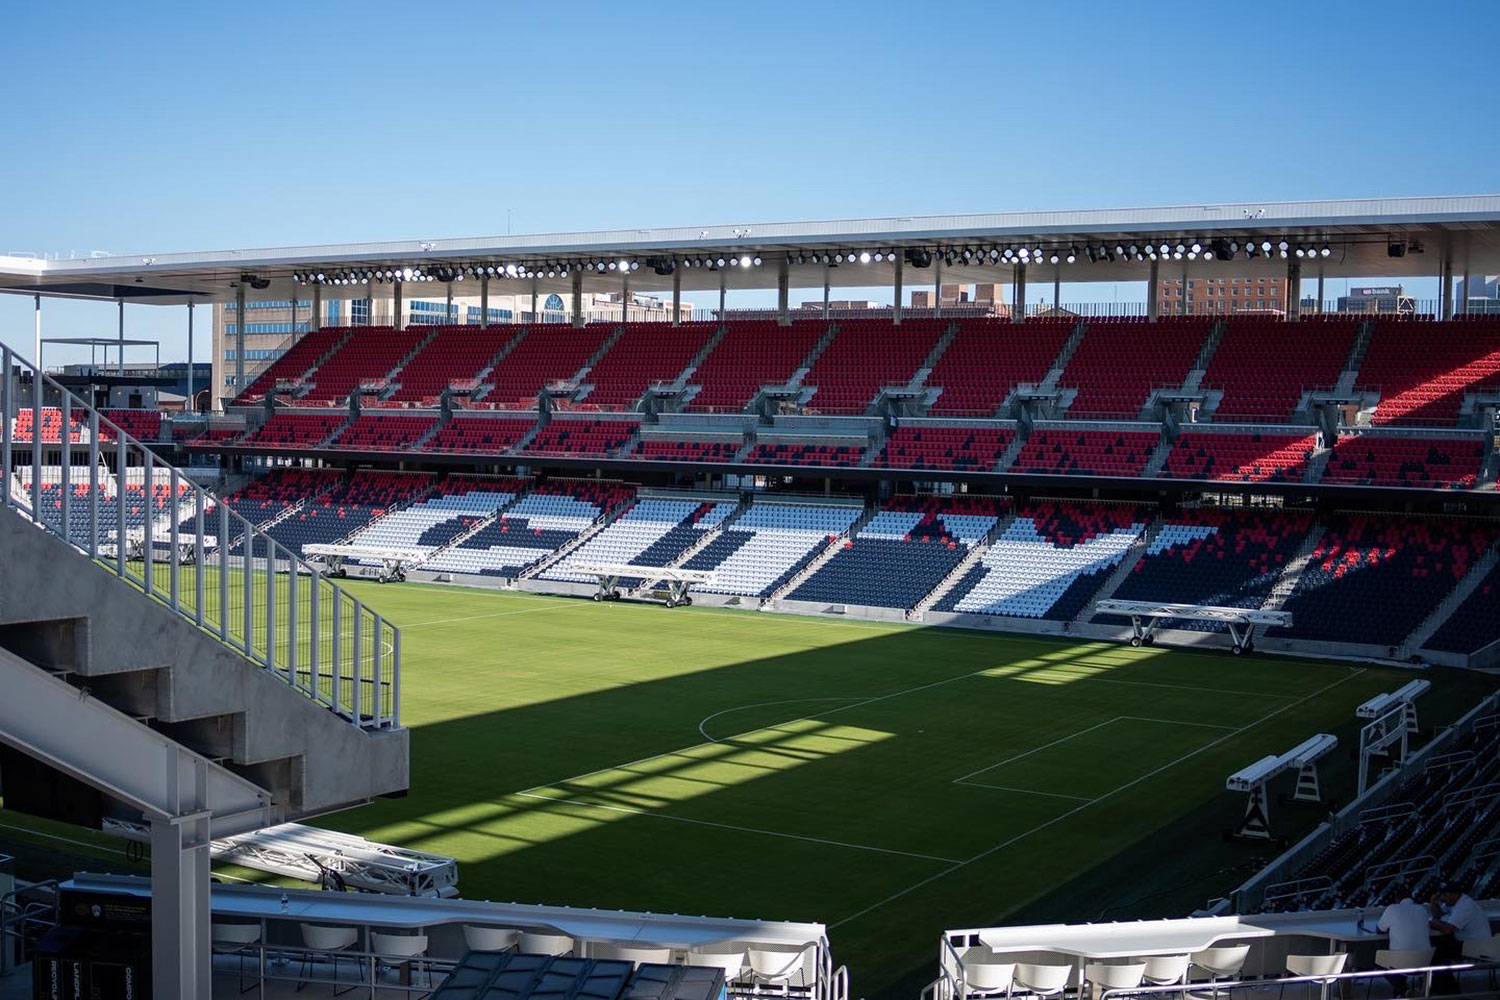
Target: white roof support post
1018 296
180 959
396 320
36 351
827 283
1152 292
724 293
315 321
239 337
1185 309
188 408
1057 285
1293 297
484 301
1445 309
937 284
448 304
783 291
896 301
677 293
533 298
624 296
578 297
120 369
1319 307
1463 303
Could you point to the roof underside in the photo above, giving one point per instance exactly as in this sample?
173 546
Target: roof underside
1464 229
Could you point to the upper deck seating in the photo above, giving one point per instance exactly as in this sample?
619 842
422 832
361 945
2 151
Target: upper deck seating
1264 364
748 356
1240 458
379 433
645 354
367 356
1374 578
23 426
833 456
1058 451
296 430
1120 361
959 449
664 450
988 358
143 425
902 553
480 435
1423 369
584 438
1049 561
455 354
293 364
864 357
768 544
549 352
1386 460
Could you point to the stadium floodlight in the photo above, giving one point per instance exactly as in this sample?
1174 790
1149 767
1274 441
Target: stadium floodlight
864 258
1052 259
756 261
1326 250
720 262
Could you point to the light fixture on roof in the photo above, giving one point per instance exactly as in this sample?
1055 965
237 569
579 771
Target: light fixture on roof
1052 258
1327 250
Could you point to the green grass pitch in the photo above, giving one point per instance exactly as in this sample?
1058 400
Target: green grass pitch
889 781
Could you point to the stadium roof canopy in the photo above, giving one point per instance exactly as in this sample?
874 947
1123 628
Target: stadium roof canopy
1384 238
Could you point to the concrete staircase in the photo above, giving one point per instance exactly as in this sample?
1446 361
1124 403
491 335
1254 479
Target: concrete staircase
1440 614
1122 571
525 440
1286 584
812 357
489 368
609 517
967 563
686 374
830 549
1317 464
1158 458
1357 351
580 377
1205 357
933 357
702 543
1060 363
1008 456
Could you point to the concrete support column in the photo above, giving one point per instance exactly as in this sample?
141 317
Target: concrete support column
484 301
1445 309
1293 290
1018 295
448 305
533 298
1463 303
578 297
827 286
189 407
677 294
937 284
723 292
316 322
1152 292
1320 289
1056 289
180 961
624 297
896 307
1183 297
239 337
396 318
36 350
783 292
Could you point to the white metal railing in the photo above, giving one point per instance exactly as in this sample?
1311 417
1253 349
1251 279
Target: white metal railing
182 547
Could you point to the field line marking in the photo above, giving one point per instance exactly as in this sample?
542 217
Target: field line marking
729 826
1175 722
1354 672
763 704
1189 687
1044 746
1023 791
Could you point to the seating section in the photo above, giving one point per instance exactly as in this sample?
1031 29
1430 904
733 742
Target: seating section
266 497
377 433
1240 458
1374 578
295 363
645 354
217 435
342 511
768 544
1475 623
1229 558
432 523
367 356
1422 369
547 353
1120 361
670 546
864 357
661 450
748 356
143 425
1263 365
833 456
988 358
23 426
1386 460
633 533
531 530
296 430
455 354
480 435
1049 562
1055 451
583 438
950 449
902 553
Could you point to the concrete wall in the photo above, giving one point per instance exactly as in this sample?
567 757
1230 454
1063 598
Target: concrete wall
147 660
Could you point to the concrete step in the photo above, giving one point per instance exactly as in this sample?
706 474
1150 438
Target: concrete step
812 357
1060 363
967 563
1008 456
1121 572
1158 458
1286 584
933 357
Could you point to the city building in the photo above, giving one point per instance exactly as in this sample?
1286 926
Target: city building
1221 294
1375 299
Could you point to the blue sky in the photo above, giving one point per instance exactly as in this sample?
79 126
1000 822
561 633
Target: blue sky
189 126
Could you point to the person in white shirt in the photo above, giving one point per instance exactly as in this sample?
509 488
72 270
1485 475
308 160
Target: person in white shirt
1406 923
1456 918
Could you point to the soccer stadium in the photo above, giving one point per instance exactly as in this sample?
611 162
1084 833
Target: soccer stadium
875 607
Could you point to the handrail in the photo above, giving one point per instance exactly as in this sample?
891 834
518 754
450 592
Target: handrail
198 558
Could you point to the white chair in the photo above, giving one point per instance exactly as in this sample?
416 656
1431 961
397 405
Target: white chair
234 939
985 979
1407 958
773 967
328 942
1166 970
1221 963
546 944
480 938
732 962
640 956
1325 969
1114 977
399 950
1043 980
